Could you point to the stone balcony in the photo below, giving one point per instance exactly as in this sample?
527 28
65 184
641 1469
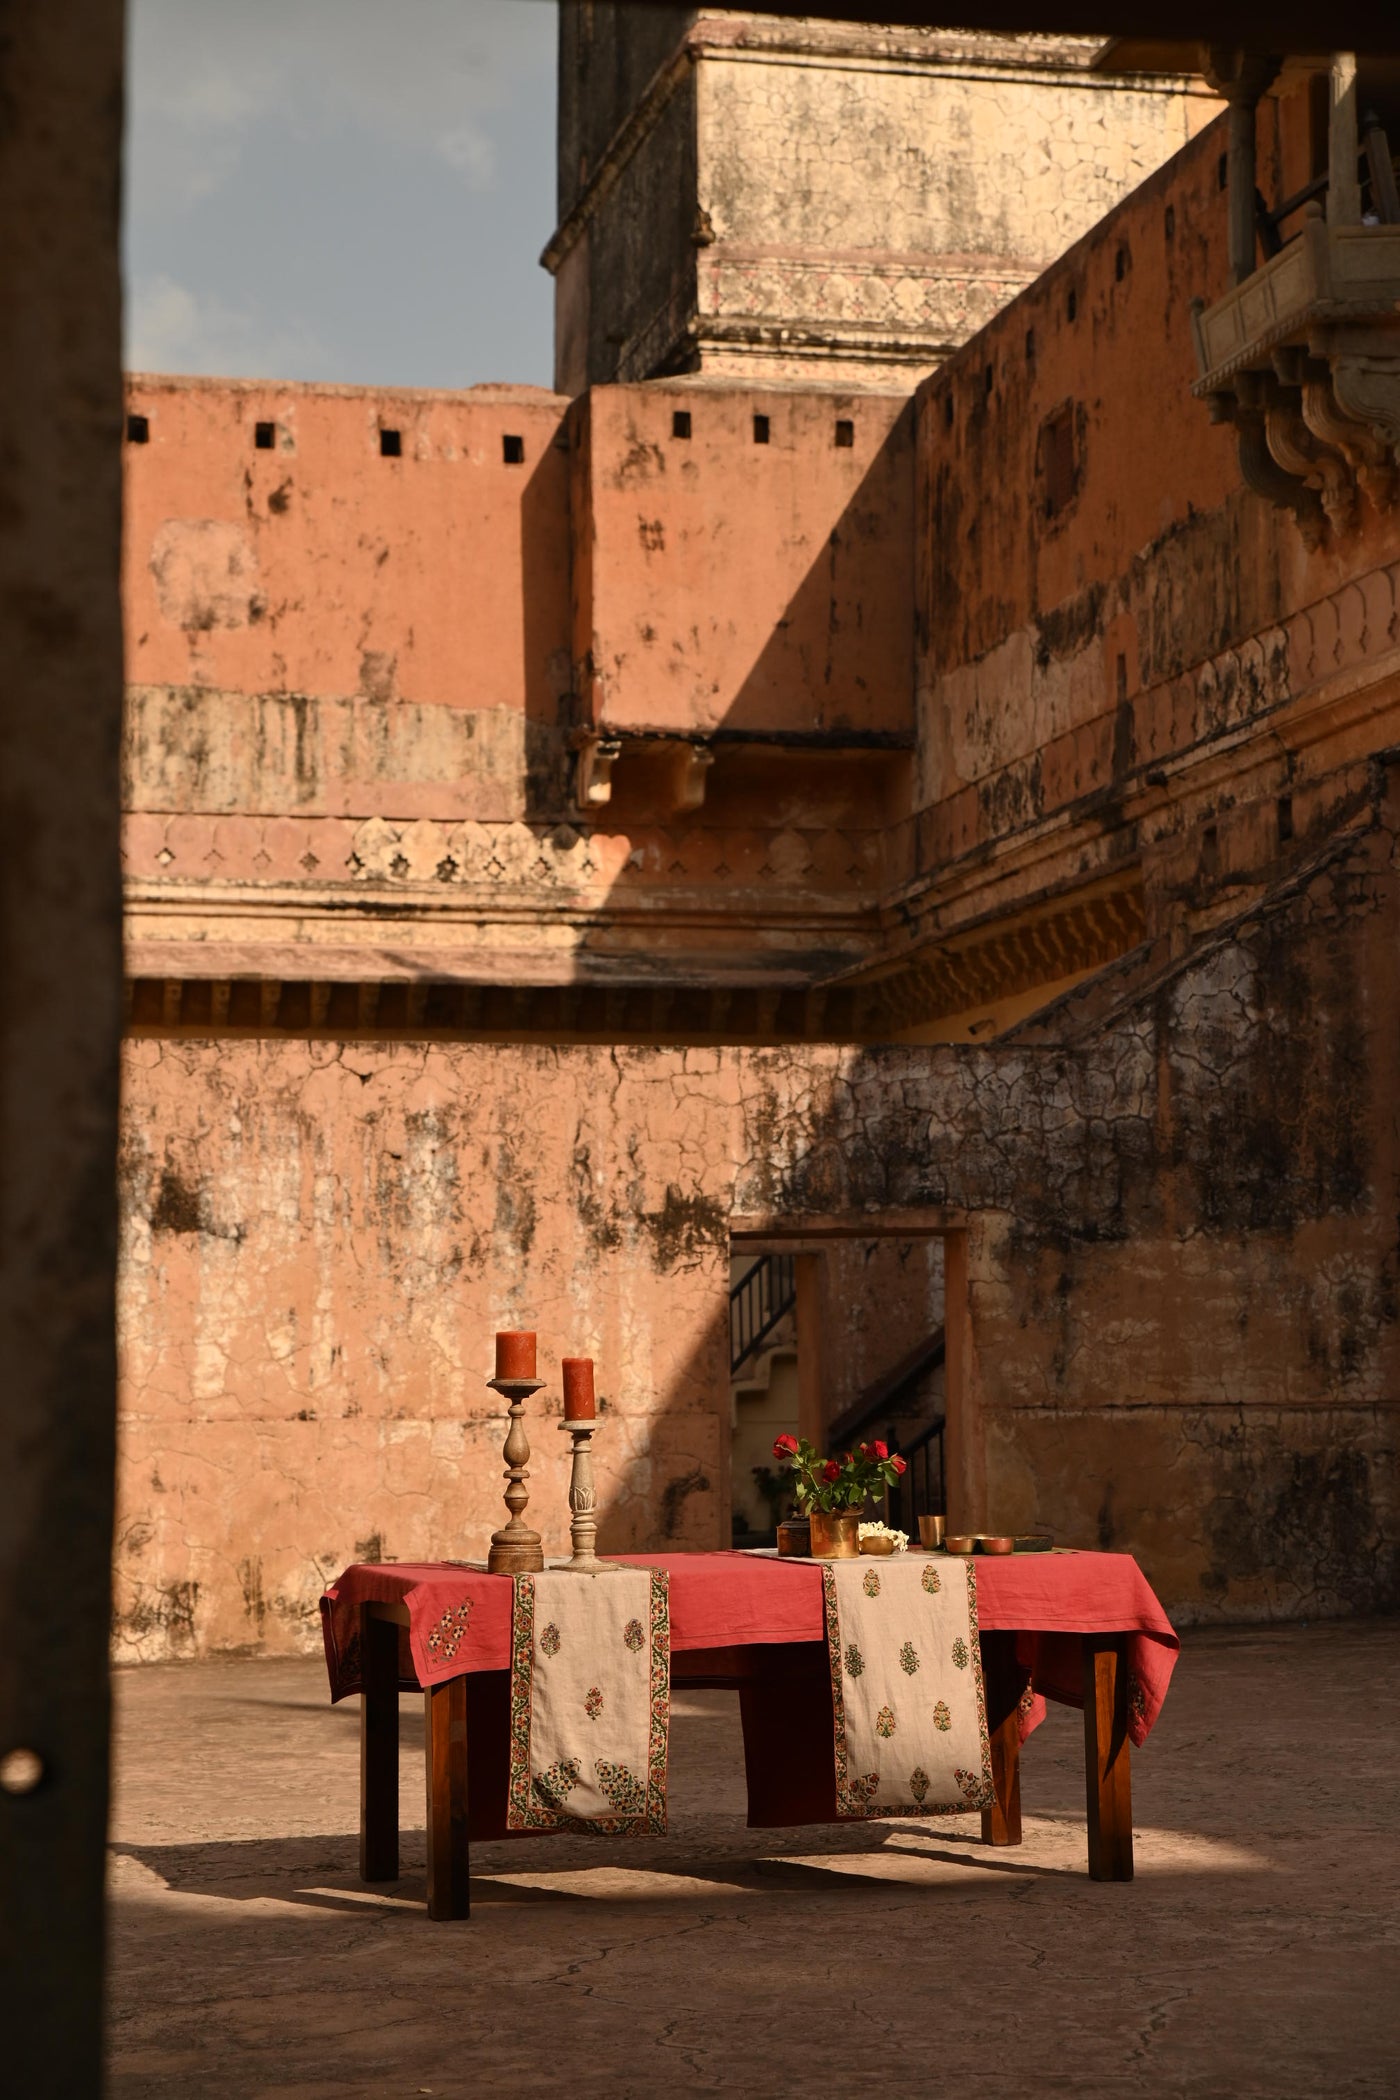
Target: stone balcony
1303 357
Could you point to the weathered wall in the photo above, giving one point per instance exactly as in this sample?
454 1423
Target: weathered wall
745 586
730 202
1075 640
1183 1277
829 248
355 681
1183 1254
316 629
319 1243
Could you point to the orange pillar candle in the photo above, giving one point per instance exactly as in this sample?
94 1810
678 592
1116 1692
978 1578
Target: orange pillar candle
515 1356
579 1404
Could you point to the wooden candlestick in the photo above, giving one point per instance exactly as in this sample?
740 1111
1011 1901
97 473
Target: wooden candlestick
583 1523
515 1549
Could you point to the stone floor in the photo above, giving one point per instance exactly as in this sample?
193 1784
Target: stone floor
1255 1954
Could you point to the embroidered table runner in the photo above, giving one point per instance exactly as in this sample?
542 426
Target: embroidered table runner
590 1701
908 1707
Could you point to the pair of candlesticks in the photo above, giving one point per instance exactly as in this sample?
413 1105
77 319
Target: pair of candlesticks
516 1549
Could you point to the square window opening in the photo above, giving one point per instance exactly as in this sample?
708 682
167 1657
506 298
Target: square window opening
845 433
138 430
264 436
680 423
760 430
390 444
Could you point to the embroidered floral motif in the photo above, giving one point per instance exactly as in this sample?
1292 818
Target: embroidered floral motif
871 1583
633 1635
554 1785
1026 1702
549 1640
620 1790
932 1580
938 1789
977 1789
1137 1700
855 1661
527 1808
862 1792
960 1657
446 1637
909 1658
593 1703
885 1721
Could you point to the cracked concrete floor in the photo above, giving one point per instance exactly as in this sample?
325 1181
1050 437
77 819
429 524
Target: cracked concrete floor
1255 1954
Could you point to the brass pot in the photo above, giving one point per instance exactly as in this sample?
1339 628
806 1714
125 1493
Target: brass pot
836 1533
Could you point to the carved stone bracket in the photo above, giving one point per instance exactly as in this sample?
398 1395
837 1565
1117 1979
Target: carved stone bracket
1303 357
678 784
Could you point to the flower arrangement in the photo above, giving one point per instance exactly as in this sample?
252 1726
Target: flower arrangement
899 1540
847 1482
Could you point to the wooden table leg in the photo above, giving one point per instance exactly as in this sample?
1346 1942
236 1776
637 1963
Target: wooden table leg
1107 1759
445 1732
379 1748
1002 1680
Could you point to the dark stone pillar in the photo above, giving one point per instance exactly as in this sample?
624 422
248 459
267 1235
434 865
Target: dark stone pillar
60 1014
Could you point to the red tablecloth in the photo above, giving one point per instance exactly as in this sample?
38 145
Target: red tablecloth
734 1616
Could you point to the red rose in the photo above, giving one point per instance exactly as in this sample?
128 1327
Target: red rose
880 1450
831 1471
785 1447
899 1465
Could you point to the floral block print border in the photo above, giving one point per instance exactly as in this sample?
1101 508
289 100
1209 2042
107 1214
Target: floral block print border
637 1804
856 1792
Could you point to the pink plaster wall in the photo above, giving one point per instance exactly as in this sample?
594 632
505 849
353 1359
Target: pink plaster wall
320 567
731 584
320 1241
1061 652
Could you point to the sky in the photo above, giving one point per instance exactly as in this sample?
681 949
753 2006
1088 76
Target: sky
348 190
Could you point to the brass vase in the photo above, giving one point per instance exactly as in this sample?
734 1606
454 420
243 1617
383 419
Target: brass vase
836 1533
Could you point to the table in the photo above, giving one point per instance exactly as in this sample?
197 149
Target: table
1083 1629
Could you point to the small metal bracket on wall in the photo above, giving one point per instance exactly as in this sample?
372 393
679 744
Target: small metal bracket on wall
594 758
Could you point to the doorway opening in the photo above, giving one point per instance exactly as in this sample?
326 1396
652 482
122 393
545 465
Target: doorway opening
837 1334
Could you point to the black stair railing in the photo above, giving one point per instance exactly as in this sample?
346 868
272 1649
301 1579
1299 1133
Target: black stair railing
882 1398
921 1489
757 1303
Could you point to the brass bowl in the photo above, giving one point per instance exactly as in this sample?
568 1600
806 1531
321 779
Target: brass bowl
877 1545
931 1530
995 1542
958 1542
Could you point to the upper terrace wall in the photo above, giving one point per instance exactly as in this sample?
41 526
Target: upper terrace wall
356 680
1076 637
743 561
316 627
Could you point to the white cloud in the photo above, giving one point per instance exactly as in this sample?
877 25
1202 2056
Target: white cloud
340 189
171 329
419 75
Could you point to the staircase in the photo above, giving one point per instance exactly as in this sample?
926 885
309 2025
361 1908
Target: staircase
923 1488
763 1296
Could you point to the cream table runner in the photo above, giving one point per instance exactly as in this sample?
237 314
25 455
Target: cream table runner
590 1701
908 1706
